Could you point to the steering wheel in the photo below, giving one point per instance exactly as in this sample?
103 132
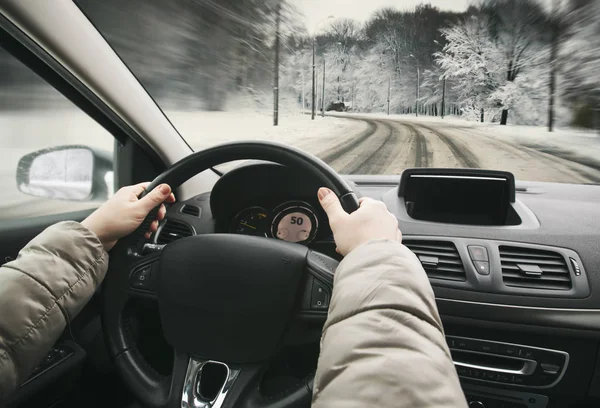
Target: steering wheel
225 301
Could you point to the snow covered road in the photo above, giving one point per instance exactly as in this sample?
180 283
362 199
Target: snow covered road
415 142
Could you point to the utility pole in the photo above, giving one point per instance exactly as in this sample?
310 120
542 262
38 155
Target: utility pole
323 94
314 89
353 105
389 93
418 86
276 76
556 26
443 96
303 105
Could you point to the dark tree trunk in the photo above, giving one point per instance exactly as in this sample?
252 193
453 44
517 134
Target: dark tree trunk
482 115
504 117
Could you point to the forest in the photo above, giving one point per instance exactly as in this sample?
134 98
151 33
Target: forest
532 62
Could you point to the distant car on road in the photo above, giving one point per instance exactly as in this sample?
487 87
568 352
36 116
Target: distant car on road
336 106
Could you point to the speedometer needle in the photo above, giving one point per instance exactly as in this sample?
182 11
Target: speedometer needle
247 225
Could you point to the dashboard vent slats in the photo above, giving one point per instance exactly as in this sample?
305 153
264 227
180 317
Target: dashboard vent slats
440 259
172 231
534 268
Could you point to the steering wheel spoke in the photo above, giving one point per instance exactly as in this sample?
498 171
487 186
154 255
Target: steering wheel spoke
318 287
143 278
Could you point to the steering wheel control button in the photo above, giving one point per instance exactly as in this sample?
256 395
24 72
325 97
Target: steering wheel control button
141 278
478 253
483 268
320 296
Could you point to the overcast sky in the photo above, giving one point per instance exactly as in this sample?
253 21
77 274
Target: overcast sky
315 11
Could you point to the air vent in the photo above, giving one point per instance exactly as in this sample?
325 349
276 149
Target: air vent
534 268
172 231
190 210
440 259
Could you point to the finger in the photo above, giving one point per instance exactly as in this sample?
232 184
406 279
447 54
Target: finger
153 226
162 211
148 235
331 204
155 197
170 199
139 188
365 201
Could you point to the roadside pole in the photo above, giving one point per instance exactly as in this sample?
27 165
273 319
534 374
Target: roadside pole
389 93
276 75
353 105
314 89
443 96
323 94
302 73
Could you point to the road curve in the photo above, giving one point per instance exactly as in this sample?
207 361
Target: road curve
387 146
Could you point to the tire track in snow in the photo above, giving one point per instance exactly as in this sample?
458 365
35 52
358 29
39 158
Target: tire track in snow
420 142
376 161
335 153
462 154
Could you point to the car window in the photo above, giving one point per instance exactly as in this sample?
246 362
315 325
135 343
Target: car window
52 152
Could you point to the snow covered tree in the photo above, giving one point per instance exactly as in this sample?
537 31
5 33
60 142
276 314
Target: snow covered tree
473 61
514 27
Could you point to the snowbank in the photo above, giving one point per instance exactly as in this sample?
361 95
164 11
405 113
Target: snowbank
204 129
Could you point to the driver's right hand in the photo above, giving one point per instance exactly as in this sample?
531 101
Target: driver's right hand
372 221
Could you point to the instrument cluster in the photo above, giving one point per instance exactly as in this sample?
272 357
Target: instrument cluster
292 221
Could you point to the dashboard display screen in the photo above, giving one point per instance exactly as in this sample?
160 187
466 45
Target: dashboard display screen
458 200
294 227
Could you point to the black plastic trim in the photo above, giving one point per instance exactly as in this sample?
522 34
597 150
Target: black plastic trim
562 318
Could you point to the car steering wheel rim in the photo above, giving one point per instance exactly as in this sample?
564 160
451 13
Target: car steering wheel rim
183 293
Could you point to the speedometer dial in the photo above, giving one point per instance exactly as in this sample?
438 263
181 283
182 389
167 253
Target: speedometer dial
295 222
251 221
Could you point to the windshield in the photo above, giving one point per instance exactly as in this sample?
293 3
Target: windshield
372 87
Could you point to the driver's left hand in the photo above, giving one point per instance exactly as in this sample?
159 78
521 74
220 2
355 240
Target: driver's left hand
124 212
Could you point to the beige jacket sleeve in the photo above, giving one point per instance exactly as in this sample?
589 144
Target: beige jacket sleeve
383 343
51 280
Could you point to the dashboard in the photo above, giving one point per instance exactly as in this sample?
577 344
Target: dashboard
517 293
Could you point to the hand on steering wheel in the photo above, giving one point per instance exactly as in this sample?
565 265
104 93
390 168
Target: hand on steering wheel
124 212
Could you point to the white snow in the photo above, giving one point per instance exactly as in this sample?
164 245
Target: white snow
204 129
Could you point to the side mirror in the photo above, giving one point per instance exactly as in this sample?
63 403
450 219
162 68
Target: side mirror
75 172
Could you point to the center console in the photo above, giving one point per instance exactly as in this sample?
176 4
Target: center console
485 364
515 364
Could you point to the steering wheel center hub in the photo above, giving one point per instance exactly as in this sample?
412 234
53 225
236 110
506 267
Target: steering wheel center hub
228 297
